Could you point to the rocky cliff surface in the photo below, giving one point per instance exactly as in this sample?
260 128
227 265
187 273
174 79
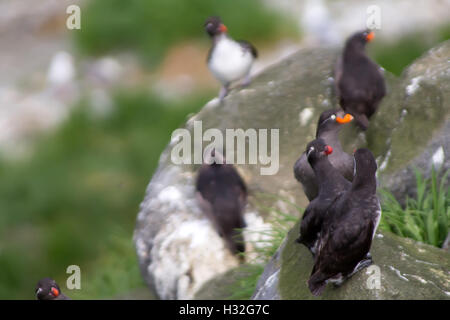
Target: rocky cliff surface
179 250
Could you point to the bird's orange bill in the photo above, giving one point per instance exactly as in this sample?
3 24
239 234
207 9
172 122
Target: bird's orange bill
370 36
223 28
55 292
347 118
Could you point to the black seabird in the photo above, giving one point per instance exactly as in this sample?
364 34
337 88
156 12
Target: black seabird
228 60
331 185
349 228
48 289
222 195
330 122
359 82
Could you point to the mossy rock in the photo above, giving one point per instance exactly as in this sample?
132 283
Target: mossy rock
410 129
407 269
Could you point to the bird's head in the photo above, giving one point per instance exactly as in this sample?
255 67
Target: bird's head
214 26
364 162
47 289
317 149
332 120
361 38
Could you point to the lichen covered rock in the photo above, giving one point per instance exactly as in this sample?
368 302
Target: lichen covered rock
178 249
402 269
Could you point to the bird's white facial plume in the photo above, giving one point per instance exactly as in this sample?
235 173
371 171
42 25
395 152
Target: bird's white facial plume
309 151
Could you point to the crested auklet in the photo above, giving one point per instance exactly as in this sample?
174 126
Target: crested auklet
331 185
48 289
222 195
348 228
330 122
228 60
359 81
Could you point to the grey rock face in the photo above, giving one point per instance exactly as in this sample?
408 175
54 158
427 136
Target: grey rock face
402 269
177 247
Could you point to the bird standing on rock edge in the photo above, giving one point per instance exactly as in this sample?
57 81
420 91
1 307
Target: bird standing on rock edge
331 185
222 196
349 228
359 82
48 289
328 127
228 60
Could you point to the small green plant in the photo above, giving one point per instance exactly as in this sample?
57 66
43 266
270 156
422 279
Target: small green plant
425 218
281 223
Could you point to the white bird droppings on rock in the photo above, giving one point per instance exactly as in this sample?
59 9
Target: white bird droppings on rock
305 116
169 194
413 86
385 162
398 273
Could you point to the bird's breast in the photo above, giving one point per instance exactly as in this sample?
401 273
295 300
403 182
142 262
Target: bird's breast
229 61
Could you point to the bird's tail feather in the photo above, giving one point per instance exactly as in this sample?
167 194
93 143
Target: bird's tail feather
317 283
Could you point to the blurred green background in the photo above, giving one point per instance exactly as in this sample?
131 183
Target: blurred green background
73 198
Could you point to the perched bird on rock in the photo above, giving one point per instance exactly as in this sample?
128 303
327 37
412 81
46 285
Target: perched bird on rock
48 289
359 81
222 195
228 60
328 127
331 185
348 228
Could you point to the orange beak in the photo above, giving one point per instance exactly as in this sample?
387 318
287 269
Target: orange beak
55 292
223 28
370 36
346 119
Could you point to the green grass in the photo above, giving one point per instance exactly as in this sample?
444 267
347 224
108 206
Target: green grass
425 218
149 28
74 200
281 222
396 55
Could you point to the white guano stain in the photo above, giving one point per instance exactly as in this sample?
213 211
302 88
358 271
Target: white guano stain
305 116
413 86
398 273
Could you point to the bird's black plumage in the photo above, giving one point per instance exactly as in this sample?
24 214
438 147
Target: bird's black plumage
249 47
328 127
48 289
349 228
331 185
222 195
360 83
